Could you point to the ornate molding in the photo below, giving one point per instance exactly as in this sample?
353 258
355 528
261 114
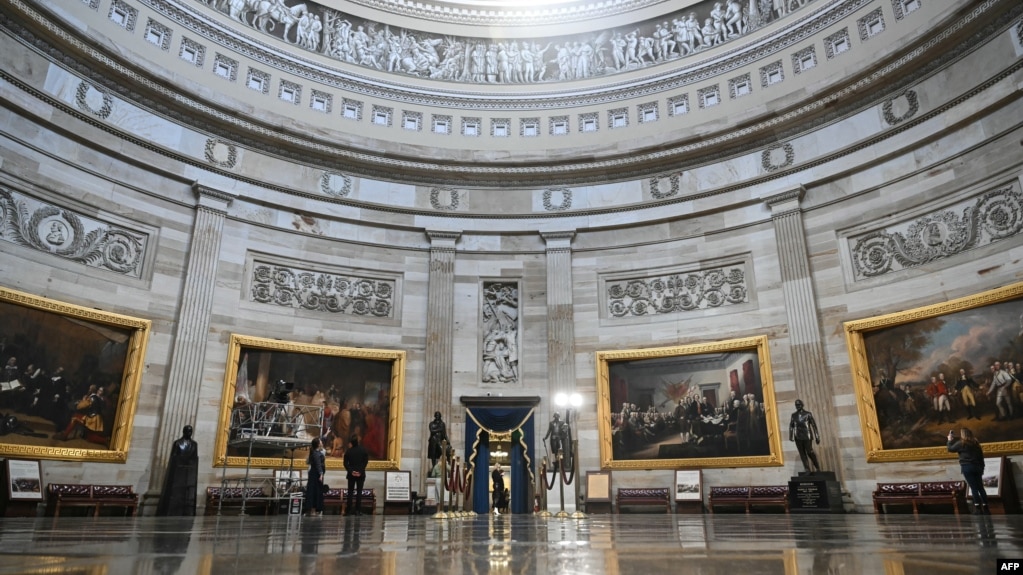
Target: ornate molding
677 292
339 292
983 220
61 232
336 184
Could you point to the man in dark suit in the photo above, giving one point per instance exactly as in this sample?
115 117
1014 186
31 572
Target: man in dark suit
356 460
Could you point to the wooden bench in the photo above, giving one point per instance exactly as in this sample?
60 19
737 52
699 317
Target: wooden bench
749 496
920 493
60 495
254 499
656 496
338 499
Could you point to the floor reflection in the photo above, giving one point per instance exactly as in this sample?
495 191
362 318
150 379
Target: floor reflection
514 545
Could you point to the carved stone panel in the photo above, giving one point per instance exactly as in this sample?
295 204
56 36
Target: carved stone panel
979 221
677 291
58 231
339 291
499 332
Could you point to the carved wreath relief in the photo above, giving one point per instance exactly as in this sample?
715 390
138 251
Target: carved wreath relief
991 217
58 231
318 291
677 292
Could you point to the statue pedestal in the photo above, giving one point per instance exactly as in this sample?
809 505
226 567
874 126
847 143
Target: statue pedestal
815 492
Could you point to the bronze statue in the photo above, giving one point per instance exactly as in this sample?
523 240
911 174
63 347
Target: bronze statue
438 434
179 485
803 430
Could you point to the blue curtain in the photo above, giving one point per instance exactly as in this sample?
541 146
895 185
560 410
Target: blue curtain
500 419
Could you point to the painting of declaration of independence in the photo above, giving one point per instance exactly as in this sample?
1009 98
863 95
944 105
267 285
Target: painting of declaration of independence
299 391
69 381
922 372
704 405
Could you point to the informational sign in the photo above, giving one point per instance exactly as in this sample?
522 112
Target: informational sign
397 486
24 480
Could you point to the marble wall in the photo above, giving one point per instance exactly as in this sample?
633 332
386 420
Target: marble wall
113 162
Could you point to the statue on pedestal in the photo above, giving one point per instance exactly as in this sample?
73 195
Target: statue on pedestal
438 435
179 484
803 430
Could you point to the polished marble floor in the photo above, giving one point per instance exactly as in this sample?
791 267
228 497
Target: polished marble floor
640 544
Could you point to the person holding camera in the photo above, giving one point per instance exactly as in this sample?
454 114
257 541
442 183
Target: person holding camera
971 464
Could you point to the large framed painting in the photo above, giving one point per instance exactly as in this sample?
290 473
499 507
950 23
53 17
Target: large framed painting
354 392
921 372
70 379
690 406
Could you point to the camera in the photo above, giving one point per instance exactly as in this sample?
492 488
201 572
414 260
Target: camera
281 391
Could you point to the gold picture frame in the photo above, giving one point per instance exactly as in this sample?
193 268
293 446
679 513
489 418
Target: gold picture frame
368 383
79 372
893 357
633 383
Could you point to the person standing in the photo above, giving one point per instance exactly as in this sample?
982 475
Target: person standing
356 460
1001 385
803 430
497 477
317 461
971 464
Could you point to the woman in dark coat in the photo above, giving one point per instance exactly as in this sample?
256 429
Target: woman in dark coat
971 463
314 484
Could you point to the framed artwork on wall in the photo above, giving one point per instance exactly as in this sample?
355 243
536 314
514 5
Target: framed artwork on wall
360 390
70 379
921 372
691 406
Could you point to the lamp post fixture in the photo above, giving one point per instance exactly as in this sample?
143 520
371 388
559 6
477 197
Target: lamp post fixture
569 402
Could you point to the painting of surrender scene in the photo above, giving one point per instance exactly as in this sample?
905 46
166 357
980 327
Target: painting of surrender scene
358 389
922 372
706 405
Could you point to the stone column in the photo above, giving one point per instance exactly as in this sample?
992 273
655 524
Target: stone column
808 359
440 333
560 345
181 403
560 314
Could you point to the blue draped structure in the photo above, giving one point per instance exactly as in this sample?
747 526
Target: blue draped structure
482 421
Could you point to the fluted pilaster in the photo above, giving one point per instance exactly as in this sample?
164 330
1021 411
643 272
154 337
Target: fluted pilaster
560 313
188 353
440 329
808 358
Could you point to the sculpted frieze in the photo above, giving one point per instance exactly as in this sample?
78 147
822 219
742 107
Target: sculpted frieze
983 220
61 232
677 292
478 60
330 292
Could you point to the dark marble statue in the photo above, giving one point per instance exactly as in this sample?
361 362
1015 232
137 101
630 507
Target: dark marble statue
179 485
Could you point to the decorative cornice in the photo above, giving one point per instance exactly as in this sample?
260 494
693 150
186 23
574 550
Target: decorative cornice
785 203
212 198
622 168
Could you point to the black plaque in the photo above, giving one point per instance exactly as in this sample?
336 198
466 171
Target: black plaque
815 493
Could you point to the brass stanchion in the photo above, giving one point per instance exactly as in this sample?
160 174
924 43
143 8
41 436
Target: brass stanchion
561 486
575 479
543 513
